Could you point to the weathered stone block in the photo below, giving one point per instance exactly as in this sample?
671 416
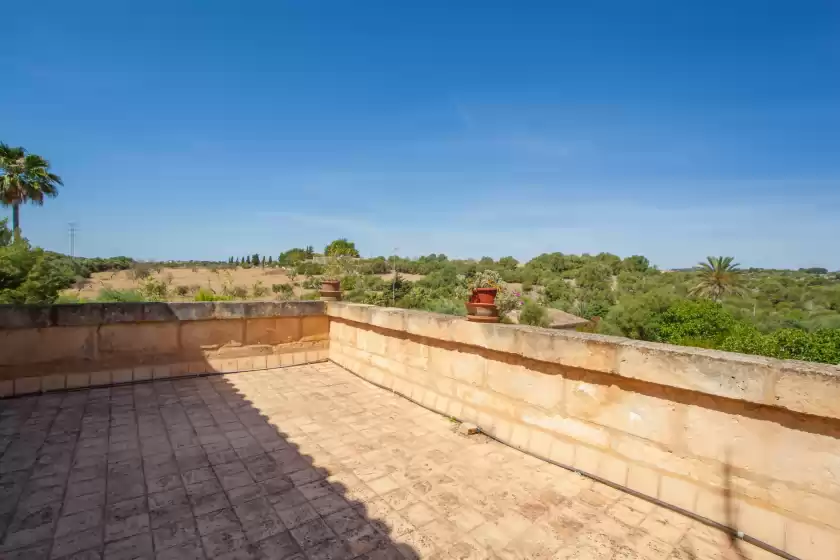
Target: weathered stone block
72 315
810 542
485 400
656 419
299 308
613 469
678 492
315 328
520 383
196 335
53 382
643 479
272 330
159 311
24 316
54 344
579 350
569 427
760 523
99 378
27 385
192 310
430 325
810 388
716 373
466 367
229 309
122 312
388 318
7 388
78 380
144 338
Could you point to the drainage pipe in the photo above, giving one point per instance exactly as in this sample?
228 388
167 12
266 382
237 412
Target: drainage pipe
732 532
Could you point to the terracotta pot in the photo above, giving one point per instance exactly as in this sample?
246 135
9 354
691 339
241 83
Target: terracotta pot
484 295
330 285
330 290
482 312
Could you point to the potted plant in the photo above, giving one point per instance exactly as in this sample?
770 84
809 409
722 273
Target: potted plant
336 267
481 292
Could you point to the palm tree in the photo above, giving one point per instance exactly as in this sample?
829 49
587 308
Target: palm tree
717 277
24 178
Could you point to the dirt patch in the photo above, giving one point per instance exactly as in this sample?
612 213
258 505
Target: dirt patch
199 278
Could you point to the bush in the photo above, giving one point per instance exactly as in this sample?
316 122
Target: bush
259 290
182 291
143 270
206 294
154 290
109 295
533 314
284 291
239 292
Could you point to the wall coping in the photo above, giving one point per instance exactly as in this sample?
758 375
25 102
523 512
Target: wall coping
804 387
92 314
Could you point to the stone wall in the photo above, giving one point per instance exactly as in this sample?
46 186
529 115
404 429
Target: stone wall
750 442
45 348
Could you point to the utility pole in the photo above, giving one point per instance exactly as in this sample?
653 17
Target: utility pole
73 228
394 281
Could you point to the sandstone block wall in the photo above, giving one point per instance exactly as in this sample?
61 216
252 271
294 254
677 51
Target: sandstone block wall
747 441
47 348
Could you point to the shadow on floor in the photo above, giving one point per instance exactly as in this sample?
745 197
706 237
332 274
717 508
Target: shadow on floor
188 468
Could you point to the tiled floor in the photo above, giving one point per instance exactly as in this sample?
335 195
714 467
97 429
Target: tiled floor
304 462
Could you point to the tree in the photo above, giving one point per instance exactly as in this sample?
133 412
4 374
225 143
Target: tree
6 235
695 323
636 263
262 261
270 260
310 252
508 263
255 259
717 277
24 178
341 248
292 257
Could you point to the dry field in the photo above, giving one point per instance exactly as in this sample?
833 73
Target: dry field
197 278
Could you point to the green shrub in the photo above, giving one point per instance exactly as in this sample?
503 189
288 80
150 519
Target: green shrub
285 291
143 270
239 292
259 290
110 295
533 314
154 290
206 294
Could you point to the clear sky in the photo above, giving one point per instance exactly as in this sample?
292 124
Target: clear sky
204 129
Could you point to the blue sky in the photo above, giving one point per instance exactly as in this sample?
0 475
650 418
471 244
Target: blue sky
206 129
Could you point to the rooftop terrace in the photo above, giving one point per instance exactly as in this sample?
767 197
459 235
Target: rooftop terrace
305 430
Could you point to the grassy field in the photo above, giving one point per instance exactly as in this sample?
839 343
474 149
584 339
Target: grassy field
193 279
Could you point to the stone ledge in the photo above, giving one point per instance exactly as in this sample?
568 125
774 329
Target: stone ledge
804 387
93 314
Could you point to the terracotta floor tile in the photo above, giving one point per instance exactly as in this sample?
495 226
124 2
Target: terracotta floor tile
305 462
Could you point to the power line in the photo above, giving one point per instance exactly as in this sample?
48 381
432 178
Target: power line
394 282
73 227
